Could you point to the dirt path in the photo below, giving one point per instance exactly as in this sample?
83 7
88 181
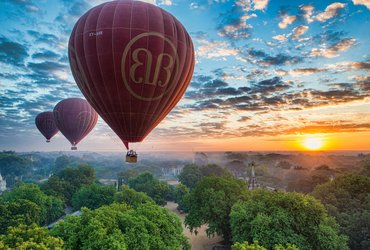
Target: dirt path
199 241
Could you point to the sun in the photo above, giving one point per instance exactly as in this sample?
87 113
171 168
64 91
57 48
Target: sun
313 143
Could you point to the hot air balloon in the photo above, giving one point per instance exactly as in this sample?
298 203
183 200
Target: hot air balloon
133 62
75 118
46 124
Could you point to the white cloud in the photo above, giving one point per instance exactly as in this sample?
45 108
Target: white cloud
299 31
260 4
286 21
307 12
335 49
362 2
211 49
164 2
330 11
280 38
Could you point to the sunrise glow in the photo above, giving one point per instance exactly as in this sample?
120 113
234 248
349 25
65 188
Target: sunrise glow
313 143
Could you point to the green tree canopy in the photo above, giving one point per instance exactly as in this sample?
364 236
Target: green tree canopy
93 196
210 203
158 190
68 181
125 175
132 197
118 226
51 207
279 218
13 165
18 212
347 198
190 175
30 237
256 246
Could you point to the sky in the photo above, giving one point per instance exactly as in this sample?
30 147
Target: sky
268 75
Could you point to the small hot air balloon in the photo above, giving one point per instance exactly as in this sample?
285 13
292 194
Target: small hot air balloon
133 62
46 124
75 118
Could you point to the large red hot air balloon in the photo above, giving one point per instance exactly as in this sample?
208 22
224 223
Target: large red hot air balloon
133 62
46 124
75 118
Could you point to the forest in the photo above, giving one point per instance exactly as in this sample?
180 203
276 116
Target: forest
55 201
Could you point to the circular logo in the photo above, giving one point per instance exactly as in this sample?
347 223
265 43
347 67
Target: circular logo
147 73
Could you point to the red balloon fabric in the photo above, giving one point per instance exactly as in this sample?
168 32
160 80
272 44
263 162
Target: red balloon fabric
46 125
75 118
133 62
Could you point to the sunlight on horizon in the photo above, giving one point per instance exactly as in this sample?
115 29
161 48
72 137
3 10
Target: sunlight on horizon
313 143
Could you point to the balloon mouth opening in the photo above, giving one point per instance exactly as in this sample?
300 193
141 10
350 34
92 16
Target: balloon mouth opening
48 140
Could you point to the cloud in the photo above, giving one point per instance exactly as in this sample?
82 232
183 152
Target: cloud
25 4
260 4
261 58
280 38
45 55
346 66
269 86
335 49
164 2
12 53
363 82
330 11
299 31
307 12
211 49
45 38
362 2
306 71
234 25
286 21
236 29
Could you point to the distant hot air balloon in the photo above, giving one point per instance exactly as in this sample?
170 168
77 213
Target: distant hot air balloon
75 118
46 124
133 62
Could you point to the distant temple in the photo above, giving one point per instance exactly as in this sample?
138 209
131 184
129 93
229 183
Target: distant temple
252 179
2 184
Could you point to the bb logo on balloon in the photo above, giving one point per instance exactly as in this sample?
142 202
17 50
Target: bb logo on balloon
159 69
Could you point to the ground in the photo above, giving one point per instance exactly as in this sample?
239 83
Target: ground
199 241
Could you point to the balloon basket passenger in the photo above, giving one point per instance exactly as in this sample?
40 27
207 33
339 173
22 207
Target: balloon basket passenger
131 156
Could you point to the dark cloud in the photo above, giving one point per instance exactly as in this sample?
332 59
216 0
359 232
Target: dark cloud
46 67
12 53
269 86
47 55
46 38
263 59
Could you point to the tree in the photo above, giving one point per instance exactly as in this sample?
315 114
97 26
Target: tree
93 196
159 191
347 198
13 166
68 181
279 218
61 162
213 170
256 246
190 175
181 191
124 176
119 226
210 203
18 212
132 197
25 237
51 207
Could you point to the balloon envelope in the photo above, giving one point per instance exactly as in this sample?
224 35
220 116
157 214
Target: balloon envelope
46 125
133 62
75 118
